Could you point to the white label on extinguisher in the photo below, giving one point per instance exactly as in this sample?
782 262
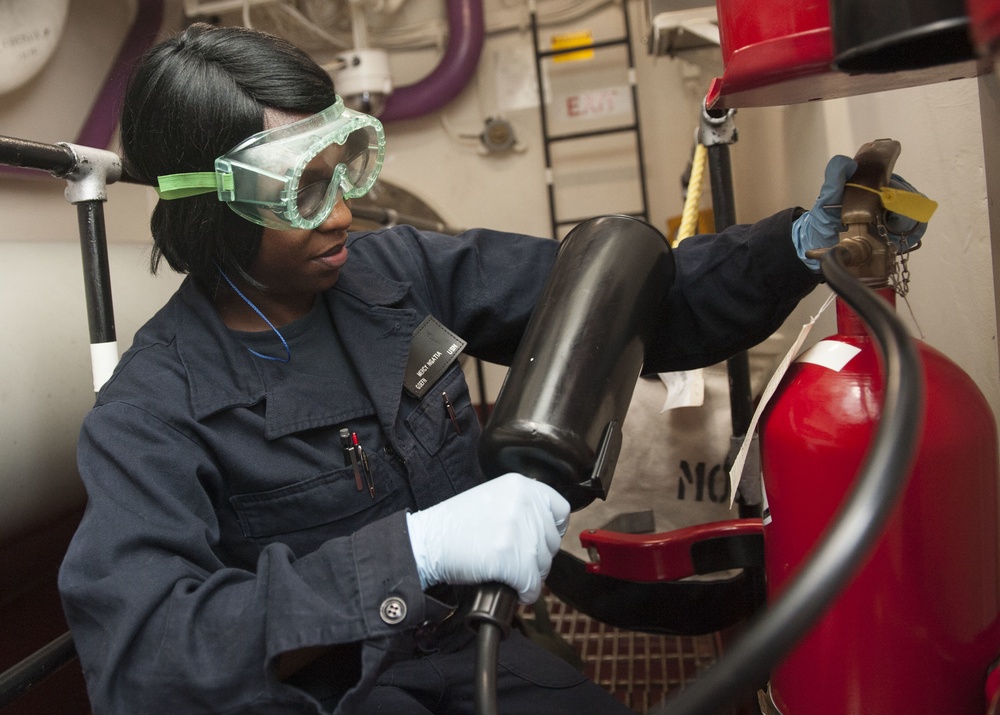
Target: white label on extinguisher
831 354
739 462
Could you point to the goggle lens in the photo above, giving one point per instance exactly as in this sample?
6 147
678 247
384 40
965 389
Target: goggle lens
312 198
314 184
356 155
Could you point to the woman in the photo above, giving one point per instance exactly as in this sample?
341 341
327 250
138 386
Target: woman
277 521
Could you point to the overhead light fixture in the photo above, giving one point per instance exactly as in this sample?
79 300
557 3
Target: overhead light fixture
363 80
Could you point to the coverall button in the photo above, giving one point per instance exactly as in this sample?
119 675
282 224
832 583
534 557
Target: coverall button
393 610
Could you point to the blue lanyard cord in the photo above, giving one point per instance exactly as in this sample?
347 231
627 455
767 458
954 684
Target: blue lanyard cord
288 350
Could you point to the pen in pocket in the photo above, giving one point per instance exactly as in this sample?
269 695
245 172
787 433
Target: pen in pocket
350 455
362 458
450 409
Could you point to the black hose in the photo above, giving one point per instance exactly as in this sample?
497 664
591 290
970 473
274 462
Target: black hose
485 687
31 671
859 521
490 613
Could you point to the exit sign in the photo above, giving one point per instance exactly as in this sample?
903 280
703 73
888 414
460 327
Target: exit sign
606 102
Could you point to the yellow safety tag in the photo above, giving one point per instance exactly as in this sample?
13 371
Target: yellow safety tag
905 203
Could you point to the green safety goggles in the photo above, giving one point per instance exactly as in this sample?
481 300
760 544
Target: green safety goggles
293 175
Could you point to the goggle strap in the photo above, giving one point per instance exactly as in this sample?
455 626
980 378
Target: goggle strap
179 186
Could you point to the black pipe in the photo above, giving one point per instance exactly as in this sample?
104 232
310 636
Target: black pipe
18 679
720 175
53 158
96 273
741 406
724 211
87 172
859 521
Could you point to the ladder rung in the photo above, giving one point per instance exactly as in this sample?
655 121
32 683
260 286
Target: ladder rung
581 48
595 133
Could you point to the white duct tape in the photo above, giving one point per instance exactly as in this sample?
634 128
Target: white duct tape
103 359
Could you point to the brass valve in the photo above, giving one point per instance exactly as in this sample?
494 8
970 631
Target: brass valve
862 214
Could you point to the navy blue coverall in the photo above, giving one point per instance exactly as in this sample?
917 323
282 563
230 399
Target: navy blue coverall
223 527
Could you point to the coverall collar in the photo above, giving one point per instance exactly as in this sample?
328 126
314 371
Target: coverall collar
361 305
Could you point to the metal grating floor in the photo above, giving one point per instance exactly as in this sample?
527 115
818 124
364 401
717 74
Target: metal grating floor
639 669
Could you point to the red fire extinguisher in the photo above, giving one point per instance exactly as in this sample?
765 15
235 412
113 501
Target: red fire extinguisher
918 628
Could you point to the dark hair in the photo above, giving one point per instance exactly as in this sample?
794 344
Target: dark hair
191 99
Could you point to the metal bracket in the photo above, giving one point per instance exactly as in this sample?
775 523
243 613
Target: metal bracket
717 126
92 171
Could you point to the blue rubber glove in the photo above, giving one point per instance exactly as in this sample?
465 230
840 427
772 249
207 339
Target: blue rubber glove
898 225
820 226
505 530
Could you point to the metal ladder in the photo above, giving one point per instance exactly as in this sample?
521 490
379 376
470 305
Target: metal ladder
548 138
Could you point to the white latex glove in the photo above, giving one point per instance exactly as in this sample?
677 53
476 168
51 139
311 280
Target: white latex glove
505 530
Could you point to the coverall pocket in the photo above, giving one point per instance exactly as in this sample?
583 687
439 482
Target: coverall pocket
433 422
303 515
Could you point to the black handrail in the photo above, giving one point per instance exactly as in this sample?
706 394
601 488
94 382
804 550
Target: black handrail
87 192
57 159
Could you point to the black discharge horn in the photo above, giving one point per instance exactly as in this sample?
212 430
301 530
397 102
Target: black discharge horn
558 416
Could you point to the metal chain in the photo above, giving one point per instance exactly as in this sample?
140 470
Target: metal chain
900 276
904 267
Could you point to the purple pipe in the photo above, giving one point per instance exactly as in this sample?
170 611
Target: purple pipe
466 32
99 127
